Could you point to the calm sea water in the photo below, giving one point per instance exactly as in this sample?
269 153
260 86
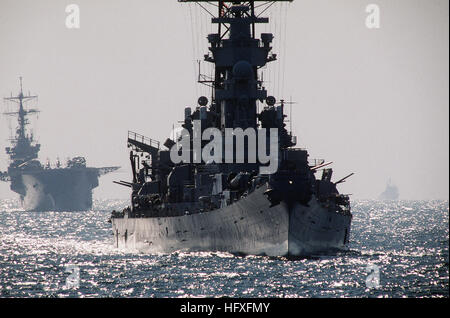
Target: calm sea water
405 244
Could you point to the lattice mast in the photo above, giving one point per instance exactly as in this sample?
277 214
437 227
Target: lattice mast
237 55
24 146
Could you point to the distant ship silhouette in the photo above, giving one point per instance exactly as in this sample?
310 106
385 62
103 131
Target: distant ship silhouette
390 193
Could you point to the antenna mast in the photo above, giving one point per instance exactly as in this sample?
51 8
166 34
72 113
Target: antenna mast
23 148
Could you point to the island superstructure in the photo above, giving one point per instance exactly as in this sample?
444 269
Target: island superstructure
42 187
233 204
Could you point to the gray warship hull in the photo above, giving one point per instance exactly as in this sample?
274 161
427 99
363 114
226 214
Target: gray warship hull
55 189
250 226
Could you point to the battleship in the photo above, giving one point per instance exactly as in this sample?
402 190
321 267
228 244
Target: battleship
390 193
228 201
42 187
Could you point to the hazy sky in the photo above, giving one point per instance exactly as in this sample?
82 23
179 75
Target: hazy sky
373 101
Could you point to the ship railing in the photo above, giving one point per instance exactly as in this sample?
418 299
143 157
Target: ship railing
143 139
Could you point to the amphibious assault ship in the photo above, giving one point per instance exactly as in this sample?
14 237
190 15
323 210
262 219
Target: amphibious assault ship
42 187
203 190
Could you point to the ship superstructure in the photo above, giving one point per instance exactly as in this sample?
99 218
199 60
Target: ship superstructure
42 187
390 193
219 198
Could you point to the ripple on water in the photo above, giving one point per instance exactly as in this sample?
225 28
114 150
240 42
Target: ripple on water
407 240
